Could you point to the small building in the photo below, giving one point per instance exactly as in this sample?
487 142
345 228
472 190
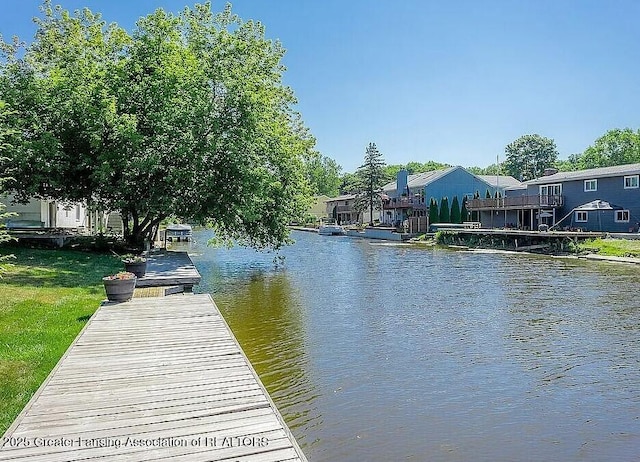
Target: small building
569 200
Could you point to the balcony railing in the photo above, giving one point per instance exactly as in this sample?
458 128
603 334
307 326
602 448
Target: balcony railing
403 203
516 202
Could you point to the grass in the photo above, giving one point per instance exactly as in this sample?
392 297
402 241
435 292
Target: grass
613 247
46 297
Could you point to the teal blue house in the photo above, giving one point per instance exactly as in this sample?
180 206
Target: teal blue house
410 195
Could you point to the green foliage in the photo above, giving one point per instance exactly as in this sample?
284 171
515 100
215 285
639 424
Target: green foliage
187 116
349 183
493 169
445 212
434 215
529 155
572 163
613 247
616 147
371 178
445 237
414 167
455 211
323 175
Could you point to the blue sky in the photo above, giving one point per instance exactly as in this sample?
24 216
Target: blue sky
450 81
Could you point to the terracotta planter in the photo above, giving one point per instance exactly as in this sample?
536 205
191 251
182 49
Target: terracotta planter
119 290
137 268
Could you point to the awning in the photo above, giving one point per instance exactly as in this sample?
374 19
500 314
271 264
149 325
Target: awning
598 205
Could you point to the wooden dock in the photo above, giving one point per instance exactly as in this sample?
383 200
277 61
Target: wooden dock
167 268
152 379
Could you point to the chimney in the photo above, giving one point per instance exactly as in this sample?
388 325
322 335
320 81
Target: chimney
549 171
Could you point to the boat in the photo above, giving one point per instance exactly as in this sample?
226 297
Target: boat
330 228
179 232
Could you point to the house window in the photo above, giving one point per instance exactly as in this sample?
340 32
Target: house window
551 190
77 213
582 217
590 185
550 193
631 182
622 216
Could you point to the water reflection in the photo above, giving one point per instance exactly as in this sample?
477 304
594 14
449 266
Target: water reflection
264 311
383 353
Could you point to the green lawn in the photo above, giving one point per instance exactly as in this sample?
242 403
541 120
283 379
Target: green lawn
614 247
46 297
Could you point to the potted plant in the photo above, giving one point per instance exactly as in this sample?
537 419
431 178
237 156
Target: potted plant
135 264
119 287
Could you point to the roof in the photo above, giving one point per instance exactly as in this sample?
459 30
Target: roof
502 181
616 170
420 180
344 197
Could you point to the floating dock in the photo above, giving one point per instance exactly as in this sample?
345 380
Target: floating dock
168 268
159 378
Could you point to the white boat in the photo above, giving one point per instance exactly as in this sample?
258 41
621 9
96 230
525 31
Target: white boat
330 228
178 232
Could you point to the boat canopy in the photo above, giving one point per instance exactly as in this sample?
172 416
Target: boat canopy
597 205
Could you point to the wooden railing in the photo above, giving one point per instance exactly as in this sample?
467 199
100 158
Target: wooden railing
403 203
516 202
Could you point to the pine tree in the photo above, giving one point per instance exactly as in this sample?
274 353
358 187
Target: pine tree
464 212
434 216
371 178
455 210
445 213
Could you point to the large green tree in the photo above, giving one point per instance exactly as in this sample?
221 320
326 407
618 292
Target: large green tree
323 174
185 117
372 178
414 167
616 147
529 155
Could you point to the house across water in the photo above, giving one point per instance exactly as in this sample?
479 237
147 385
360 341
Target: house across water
600 199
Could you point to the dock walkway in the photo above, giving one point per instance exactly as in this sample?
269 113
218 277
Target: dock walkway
158 379
168 268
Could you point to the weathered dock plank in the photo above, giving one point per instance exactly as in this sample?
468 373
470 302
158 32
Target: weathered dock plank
152 379
167 268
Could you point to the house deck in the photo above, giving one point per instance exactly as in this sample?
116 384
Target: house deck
152 379
167 268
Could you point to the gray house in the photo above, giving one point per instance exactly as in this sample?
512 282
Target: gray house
600 199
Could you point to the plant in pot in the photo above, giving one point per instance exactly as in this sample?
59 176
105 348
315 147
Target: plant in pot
119 287
135 264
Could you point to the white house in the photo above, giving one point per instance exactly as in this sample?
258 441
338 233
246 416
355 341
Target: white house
39 213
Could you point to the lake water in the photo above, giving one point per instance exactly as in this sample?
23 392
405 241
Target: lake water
382 352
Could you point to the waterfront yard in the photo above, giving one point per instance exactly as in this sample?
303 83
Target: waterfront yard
46 297
612 247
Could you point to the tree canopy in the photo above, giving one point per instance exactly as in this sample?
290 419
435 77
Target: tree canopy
372 178
529 155
615 147
323 174
187 116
